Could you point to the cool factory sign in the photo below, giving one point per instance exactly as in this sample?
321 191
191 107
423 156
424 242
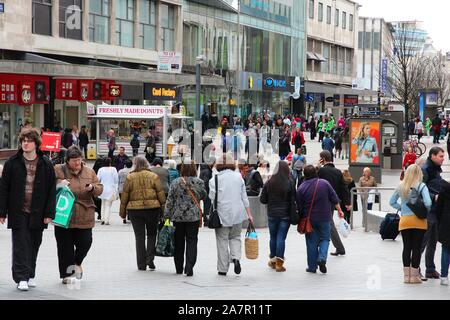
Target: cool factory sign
160 92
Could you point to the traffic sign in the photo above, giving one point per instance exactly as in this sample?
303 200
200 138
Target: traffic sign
51 141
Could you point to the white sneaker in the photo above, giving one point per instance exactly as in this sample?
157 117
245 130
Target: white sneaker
32 283
444 281
23 286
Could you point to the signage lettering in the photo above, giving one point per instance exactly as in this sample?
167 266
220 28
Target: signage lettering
162 92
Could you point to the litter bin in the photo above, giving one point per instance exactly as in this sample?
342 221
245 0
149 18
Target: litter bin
259 213
91 151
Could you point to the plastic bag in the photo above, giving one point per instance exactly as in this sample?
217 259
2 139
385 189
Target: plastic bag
343 228
165 244
64 205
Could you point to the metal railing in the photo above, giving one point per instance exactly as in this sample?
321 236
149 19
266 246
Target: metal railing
362 191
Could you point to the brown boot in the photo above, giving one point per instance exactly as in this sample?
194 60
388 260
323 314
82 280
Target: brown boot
272 263
406 275
415 276
279 265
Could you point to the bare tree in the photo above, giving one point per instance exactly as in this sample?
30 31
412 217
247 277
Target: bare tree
409 69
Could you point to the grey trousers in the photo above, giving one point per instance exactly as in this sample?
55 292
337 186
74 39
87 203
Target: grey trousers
337 243
229 245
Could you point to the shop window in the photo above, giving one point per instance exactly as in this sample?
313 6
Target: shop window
70 19
42 17
5 127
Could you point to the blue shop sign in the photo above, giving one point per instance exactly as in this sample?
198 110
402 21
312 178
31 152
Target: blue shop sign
278 83
2 7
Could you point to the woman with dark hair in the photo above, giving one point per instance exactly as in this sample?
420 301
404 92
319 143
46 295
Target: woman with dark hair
279 195
315 198
183 208
83 140
74 243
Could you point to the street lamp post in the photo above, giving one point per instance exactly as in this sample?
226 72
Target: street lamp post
198 61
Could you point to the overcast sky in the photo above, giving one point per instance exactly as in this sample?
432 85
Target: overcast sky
434 13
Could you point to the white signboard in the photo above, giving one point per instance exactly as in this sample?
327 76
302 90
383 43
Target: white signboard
130 112
170 61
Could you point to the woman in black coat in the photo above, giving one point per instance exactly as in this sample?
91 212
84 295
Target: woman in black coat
443 217
350 185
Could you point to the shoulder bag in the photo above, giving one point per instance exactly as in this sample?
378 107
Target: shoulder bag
195 200
415 203
304 225
214 219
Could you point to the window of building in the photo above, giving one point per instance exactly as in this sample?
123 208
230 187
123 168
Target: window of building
348 62
310 45
147 32
326 55
368 40
341 61
376 41
333 59
328 14
42 17
360 40
309 65
70 19
167 27
125 22
336 18
320 12
311 9
350 23
99 20
344 20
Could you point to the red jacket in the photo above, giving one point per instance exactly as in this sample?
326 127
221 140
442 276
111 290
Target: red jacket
302 137
410 158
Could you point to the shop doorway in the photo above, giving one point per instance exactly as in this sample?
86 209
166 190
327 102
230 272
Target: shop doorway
71 117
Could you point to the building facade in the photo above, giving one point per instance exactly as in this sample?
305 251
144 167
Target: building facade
332 29
375 59
58 55
257 46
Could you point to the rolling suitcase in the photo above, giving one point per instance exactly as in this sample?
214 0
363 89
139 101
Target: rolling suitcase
389 226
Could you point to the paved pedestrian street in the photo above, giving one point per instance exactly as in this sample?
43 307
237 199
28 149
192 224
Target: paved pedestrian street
371 269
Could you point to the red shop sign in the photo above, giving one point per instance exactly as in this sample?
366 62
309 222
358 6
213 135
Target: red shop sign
114 91
26 93
51 141
85 90
8 91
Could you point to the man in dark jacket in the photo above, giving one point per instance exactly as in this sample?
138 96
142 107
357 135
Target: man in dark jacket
28 200
437 124
432 178
120 159
253 181
206 174
328 143
336 179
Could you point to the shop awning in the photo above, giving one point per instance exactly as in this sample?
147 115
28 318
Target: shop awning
130 112
311 56
315 87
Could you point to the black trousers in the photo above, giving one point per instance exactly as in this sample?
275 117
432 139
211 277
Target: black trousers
436 137
25 248
73 246
429 243
412 243
98 207
206 207
321 135
111 153
186 235
142 221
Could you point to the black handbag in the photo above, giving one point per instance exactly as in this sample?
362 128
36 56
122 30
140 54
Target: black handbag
415 203
214 219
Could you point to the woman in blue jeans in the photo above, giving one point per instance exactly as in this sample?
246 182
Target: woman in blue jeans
316 198
279 195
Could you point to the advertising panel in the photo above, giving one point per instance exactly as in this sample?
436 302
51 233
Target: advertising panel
365 138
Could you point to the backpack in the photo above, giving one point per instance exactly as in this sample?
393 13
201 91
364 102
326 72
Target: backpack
298 165
415 203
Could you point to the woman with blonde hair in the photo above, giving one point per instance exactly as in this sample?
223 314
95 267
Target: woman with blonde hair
411 227
367 148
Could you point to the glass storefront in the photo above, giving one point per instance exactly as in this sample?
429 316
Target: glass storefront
13 118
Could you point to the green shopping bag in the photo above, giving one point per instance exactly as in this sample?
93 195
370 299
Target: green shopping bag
165 245
64 205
